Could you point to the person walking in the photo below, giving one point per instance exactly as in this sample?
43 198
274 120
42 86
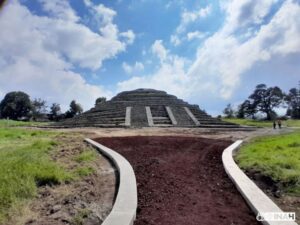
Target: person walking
274 124
279 123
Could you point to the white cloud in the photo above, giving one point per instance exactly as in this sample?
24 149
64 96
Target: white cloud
41 58
188 17
195 35
129 35
59 9
245 13
175 40
225 59
107 14
88 3
170 75
222 59
137 67
104 16
100 12
67 38
159 50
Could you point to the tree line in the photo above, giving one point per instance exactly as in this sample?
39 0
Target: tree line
264 100
17 105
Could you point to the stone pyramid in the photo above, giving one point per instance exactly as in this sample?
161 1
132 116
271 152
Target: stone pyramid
145 108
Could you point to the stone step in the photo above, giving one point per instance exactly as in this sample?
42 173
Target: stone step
160 118
106 116
218 126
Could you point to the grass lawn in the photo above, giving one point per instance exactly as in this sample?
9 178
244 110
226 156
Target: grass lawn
275 156
26 164
259 123
14 123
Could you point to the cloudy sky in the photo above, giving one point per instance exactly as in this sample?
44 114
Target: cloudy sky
209 53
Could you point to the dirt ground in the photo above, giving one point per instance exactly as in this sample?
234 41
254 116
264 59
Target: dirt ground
181 180
86 200
232 134
285 202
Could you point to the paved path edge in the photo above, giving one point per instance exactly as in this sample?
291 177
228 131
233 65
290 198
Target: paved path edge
125 205
258 201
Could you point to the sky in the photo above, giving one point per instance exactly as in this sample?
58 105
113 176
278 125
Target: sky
209 53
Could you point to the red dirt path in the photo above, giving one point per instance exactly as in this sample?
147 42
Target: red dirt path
181 181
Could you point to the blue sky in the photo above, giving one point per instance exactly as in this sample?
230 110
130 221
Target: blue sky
209 53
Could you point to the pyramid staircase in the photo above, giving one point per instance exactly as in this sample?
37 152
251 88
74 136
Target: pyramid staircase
143 108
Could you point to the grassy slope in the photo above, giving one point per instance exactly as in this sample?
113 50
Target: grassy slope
257 123
275 156
25 163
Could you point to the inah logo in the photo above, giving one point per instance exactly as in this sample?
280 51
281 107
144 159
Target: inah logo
276 216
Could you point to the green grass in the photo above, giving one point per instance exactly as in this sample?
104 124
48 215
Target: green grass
275 156
84 171
14 123
293 123
78 219
262 123
24 165
87 155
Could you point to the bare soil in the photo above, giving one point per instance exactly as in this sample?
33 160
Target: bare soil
181 180
285 202
86 200
230 134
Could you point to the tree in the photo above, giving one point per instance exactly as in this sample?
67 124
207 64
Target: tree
15 105
75 109
55 111
266 99
100 100
241 111
39 108
246 109
228 111
293 101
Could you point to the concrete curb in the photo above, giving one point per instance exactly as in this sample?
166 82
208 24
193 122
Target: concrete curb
124 208
258 201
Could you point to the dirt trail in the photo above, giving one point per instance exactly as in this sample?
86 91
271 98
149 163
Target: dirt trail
232 134
181 180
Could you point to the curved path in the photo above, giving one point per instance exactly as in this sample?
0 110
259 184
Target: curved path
181 180
125 205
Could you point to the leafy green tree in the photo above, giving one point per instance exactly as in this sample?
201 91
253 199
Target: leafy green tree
241 111
100 100
15 105
293 101
39 108
228 111
266 99
75 109
55 111
246 109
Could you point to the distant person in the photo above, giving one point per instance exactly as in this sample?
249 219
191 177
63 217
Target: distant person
279 123
274 124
